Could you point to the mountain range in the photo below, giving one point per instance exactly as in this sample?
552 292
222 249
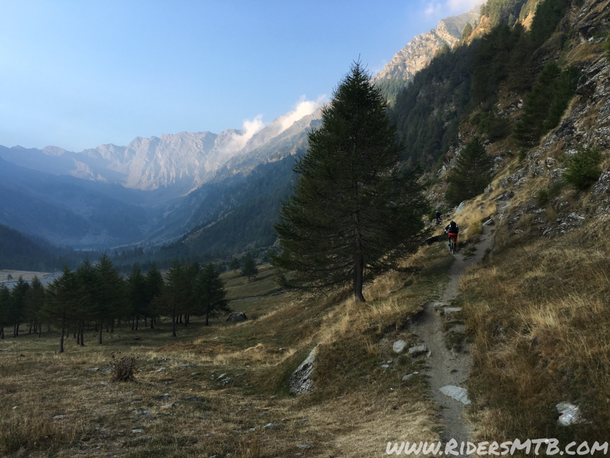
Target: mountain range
203 191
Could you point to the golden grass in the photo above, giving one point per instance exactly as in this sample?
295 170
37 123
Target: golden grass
179 406
539 318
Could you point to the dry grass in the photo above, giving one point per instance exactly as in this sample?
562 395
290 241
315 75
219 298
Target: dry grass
211 390
539 317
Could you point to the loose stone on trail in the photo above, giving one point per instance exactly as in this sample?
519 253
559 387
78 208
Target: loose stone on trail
456 392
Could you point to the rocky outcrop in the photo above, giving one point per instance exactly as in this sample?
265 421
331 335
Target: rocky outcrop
300 380
421 49
237 317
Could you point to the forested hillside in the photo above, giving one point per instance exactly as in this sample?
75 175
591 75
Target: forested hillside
243 215
463 85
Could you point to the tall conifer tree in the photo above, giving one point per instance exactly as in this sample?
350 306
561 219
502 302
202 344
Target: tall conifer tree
354 212
472 173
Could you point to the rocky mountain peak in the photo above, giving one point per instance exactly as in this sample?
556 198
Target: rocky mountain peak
422 48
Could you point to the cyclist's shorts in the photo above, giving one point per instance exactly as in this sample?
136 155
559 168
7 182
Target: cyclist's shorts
453 236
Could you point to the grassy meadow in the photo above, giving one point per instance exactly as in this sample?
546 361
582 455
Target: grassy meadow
212 390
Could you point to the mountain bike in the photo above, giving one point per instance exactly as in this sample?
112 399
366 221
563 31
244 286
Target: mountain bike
451 246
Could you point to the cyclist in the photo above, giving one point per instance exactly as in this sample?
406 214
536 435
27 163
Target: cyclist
452 231
438 217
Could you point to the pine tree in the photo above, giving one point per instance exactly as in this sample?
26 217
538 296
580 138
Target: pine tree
112 296
154 289
136 295
234 264
61 302
210 293
175 295
34 301
5 303
354 212
249 269
89 297
472 173
18 304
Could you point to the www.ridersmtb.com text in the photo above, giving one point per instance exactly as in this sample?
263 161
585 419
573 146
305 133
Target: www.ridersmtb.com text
537 446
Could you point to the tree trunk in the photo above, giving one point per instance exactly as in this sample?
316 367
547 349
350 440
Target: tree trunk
152 322
16 330
63 329
174 322
2 333
39 329
30 330
82 335
358 278
99 339
112 326
207 316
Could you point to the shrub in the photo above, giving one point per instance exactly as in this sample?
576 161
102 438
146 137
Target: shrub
124 369
583 169
555 189
542 197
471 175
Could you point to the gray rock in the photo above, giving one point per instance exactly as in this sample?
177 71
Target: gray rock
385 366
456 392
303 446
569 414
399 346
460 208
300 380
409 376
417 350
237 317
272 426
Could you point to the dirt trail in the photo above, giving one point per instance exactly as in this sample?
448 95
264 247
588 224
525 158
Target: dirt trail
447 367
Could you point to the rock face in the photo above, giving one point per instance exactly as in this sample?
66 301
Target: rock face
300 380
421 49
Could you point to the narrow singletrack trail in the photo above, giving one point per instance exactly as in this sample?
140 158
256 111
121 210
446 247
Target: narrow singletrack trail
446 367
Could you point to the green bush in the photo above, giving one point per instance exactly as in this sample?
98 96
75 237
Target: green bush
583 169
555 189
542 197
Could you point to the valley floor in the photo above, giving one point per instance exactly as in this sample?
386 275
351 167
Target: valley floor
223 389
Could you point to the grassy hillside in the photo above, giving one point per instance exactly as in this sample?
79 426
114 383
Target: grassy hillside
181 405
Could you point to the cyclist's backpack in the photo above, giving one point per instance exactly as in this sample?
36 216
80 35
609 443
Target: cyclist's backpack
453 228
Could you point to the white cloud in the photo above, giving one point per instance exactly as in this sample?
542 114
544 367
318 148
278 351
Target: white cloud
463 5
303 108
239 140
432 9
451 6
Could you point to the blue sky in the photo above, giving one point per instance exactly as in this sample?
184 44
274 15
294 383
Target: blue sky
78 74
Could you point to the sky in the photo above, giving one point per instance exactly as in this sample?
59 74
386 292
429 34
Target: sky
82 73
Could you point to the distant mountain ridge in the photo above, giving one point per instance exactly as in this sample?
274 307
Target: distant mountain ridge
418 53
150 191
177 163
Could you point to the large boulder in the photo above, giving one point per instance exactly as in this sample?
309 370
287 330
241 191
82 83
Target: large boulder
300 381
237 317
